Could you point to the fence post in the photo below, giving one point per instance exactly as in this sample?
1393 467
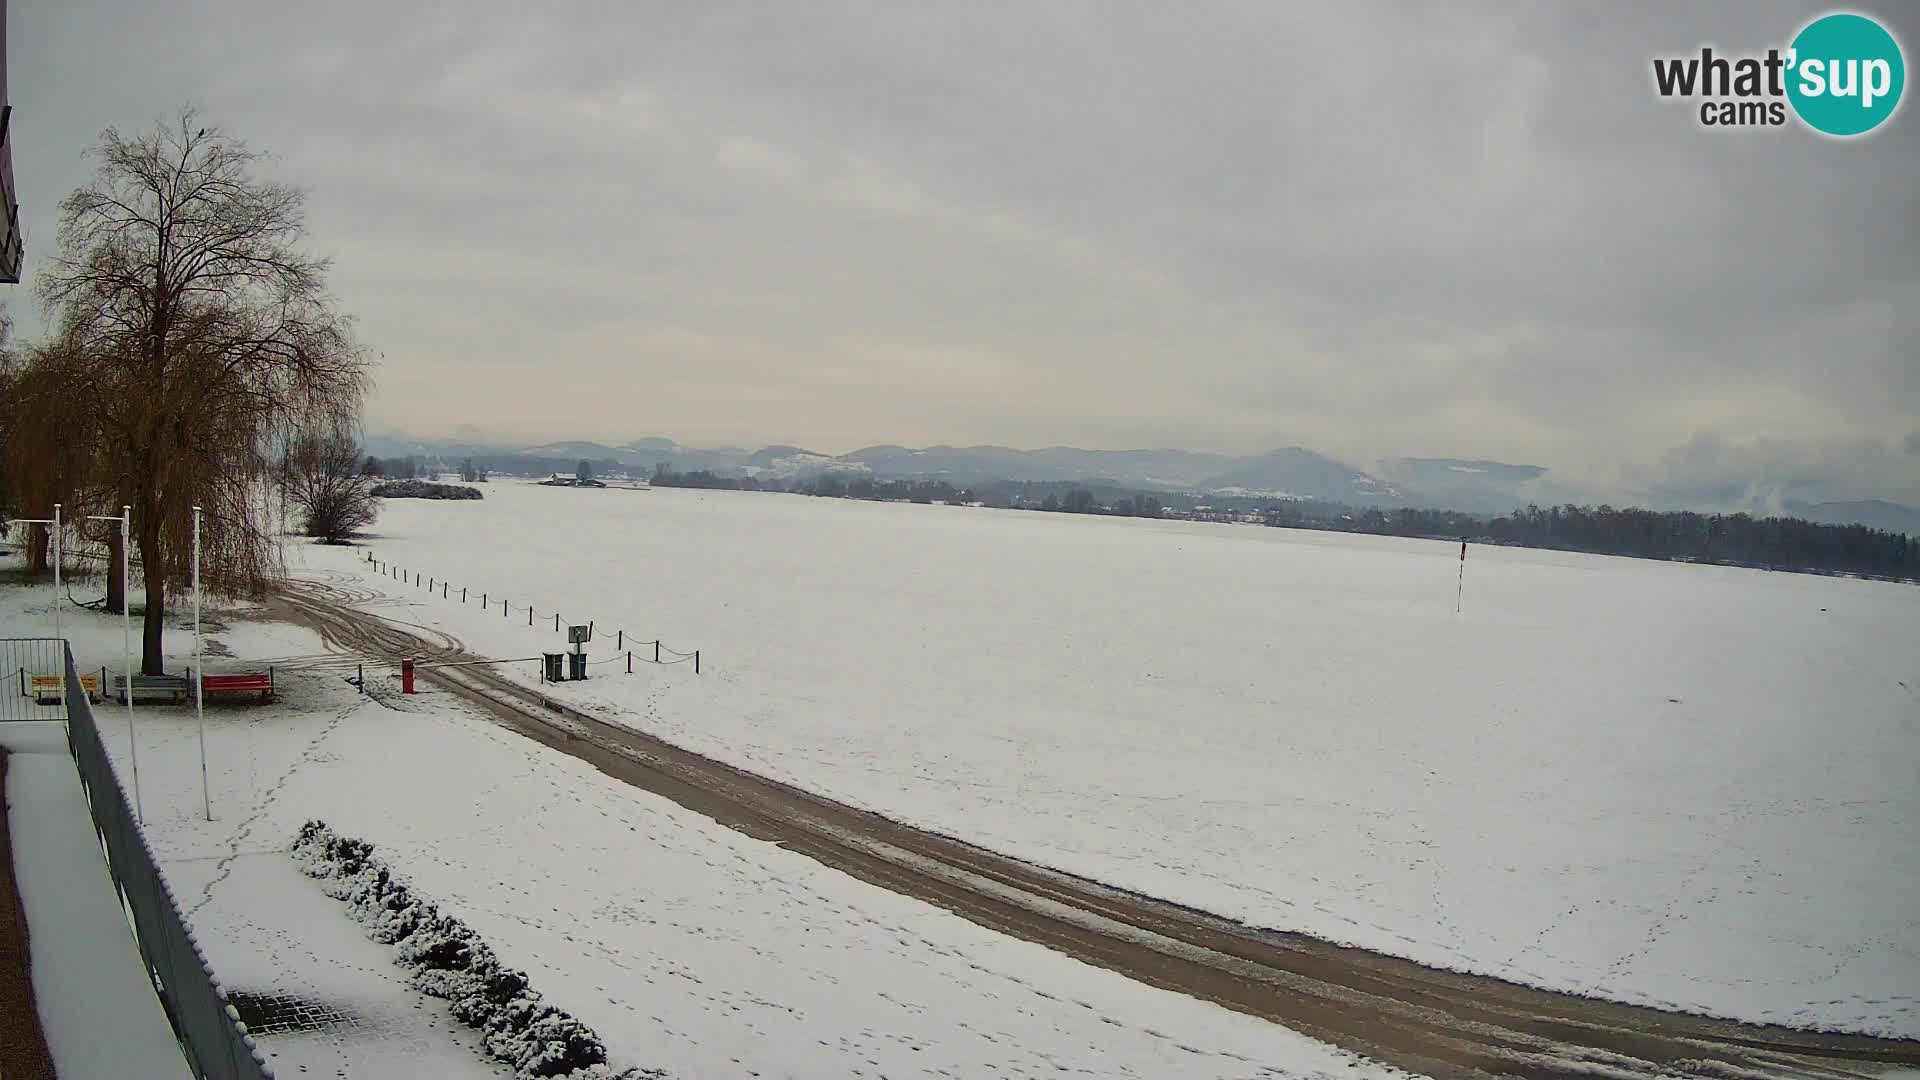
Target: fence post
619 639
529 614
443 590
629 661
656 650
696 661
463 594
556 622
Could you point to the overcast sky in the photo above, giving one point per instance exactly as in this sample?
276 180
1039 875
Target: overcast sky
1464 230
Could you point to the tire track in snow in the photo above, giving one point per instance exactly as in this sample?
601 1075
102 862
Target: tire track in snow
1423 1019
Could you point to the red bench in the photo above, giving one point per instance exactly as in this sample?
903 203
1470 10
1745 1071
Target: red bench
245 683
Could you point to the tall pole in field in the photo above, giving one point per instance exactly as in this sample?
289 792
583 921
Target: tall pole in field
1460 585
199 675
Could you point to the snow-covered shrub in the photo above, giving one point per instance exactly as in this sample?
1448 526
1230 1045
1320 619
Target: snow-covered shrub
446 959
551 1043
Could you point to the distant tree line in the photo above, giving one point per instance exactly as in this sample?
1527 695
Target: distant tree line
410 467
1781 543
1741 539
393 468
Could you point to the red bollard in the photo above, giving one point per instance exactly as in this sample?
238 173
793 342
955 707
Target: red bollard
406 676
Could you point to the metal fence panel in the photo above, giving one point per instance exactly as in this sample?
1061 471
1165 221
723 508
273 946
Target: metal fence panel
216 1043
32 671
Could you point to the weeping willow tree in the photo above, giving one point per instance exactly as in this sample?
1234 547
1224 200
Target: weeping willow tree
201 339
50 448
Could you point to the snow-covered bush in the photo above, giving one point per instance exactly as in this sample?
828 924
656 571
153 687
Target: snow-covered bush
446 959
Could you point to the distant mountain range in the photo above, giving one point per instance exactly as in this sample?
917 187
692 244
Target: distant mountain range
1873 513
1473 486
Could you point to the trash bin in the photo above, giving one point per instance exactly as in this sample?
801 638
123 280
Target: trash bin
576 665
550 666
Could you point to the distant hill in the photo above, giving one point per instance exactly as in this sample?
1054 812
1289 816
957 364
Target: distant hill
1469 485
1475 486
1873 513
592 451
1301 474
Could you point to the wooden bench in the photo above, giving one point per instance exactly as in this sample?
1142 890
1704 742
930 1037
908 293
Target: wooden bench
46 688
171 688
239 683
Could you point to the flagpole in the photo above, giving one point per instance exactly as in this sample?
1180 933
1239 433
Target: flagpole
199 674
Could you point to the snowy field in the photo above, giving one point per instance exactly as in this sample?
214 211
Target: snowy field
686 945
1668 784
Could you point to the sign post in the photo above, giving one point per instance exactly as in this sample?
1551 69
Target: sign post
577 636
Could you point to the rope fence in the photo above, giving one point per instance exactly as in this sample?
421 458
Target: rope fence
433 583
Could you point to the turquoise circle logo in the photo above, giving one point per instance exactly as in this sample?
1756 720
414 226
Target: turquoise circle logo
1845 74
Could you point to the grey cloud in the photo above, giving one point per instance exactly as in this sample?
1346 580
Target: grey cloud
1376 230
1769 474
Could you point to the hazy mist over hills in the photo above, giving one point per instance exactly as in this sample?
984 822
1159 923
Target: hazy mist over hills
1470 485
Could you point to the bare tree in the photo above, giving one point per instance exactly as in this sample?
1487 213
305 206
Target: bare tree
210 338
326 483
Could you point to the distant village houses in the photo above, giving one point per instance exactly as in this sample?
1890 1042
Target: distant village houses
566 479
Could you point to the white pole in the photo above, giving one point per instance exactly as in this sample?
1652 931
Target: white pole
126 637
125 518
56 585
57 597
200 675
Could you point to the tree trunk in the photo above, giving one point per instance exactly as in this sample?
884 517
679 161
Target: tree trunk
116 596
37 545
154 622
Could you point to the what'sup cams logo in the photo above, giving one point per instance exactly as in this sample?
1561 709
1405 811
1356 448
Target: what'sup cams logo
1842 75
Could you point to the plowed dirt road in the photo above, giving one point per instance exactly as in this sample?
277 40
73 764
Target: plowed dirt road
1425 1020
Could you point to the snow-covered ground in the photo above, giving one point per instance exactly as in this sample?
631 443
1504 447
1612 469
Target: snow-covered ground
1662 783
686 945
